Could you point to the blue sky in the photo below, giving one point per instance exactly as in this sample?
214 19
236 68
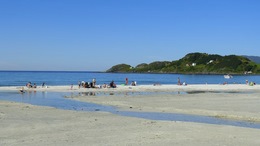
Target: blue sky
93 35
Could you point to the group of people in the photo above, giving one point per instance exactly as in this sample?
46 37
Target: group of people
29 85
251 83
112 84
179 82
84 84
134 83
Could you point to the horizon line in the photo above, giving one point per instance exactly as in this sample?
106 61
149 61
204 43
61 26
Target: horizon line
49 71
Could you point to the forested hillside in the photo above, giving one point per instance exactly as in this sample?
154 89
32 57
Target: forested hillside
195 63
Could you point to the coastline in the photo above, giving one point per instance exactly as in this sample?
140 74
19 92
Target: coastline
144 88
25 124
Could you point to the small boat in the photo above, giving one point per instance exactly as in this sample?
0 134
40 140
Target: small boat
228 76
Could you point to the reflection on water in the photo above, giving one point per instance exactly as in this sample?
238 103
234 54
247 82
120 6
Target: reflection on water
57 100
53 99
230 92
149 93
121 93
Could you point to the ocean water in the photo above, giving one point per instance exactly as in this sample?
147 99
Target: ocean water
20 78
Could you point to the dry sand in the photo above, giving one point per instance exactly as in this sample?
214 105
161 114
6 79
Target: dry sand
24 124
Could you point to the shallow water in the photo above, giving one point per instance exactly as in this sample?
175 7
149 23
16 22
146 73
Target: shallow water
58 100
53 99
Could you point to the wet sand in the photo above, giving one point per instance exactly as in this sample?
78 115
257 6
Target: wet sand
24 124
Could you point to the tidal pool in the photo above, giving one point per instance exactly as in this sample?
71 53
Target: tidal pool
58 100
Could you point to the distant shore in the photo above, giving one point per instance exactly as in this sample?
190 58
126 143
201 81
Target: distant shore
180 73
184 73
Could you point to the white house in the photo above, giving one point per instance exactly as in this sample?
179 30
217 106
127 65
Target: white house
210 61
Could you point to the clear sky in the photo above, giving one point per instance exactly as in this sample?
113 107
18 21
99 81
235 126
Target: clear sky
94 35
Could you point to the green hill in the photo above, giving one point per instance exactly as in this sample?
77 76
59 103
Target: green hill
120 68
195 63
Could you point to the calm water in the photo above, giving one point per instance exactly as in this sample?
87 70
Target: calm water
20 78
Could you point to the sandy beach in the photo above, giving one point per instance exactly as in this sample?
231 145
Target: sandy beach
25 124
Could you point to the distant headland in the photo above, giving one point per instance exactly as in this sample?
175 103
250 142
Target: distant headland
195 63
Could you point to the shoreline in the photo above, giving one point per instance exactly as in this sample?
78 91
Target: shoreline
143 88
164 93
26 124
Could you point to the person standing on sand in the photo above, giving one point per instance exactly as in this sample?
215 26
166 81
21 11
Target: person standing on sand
43 84
246 82
126 81
94 82
79 83
179 81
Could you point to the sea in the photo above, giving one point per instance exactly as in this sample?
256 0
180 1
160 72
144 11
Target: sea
50 78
